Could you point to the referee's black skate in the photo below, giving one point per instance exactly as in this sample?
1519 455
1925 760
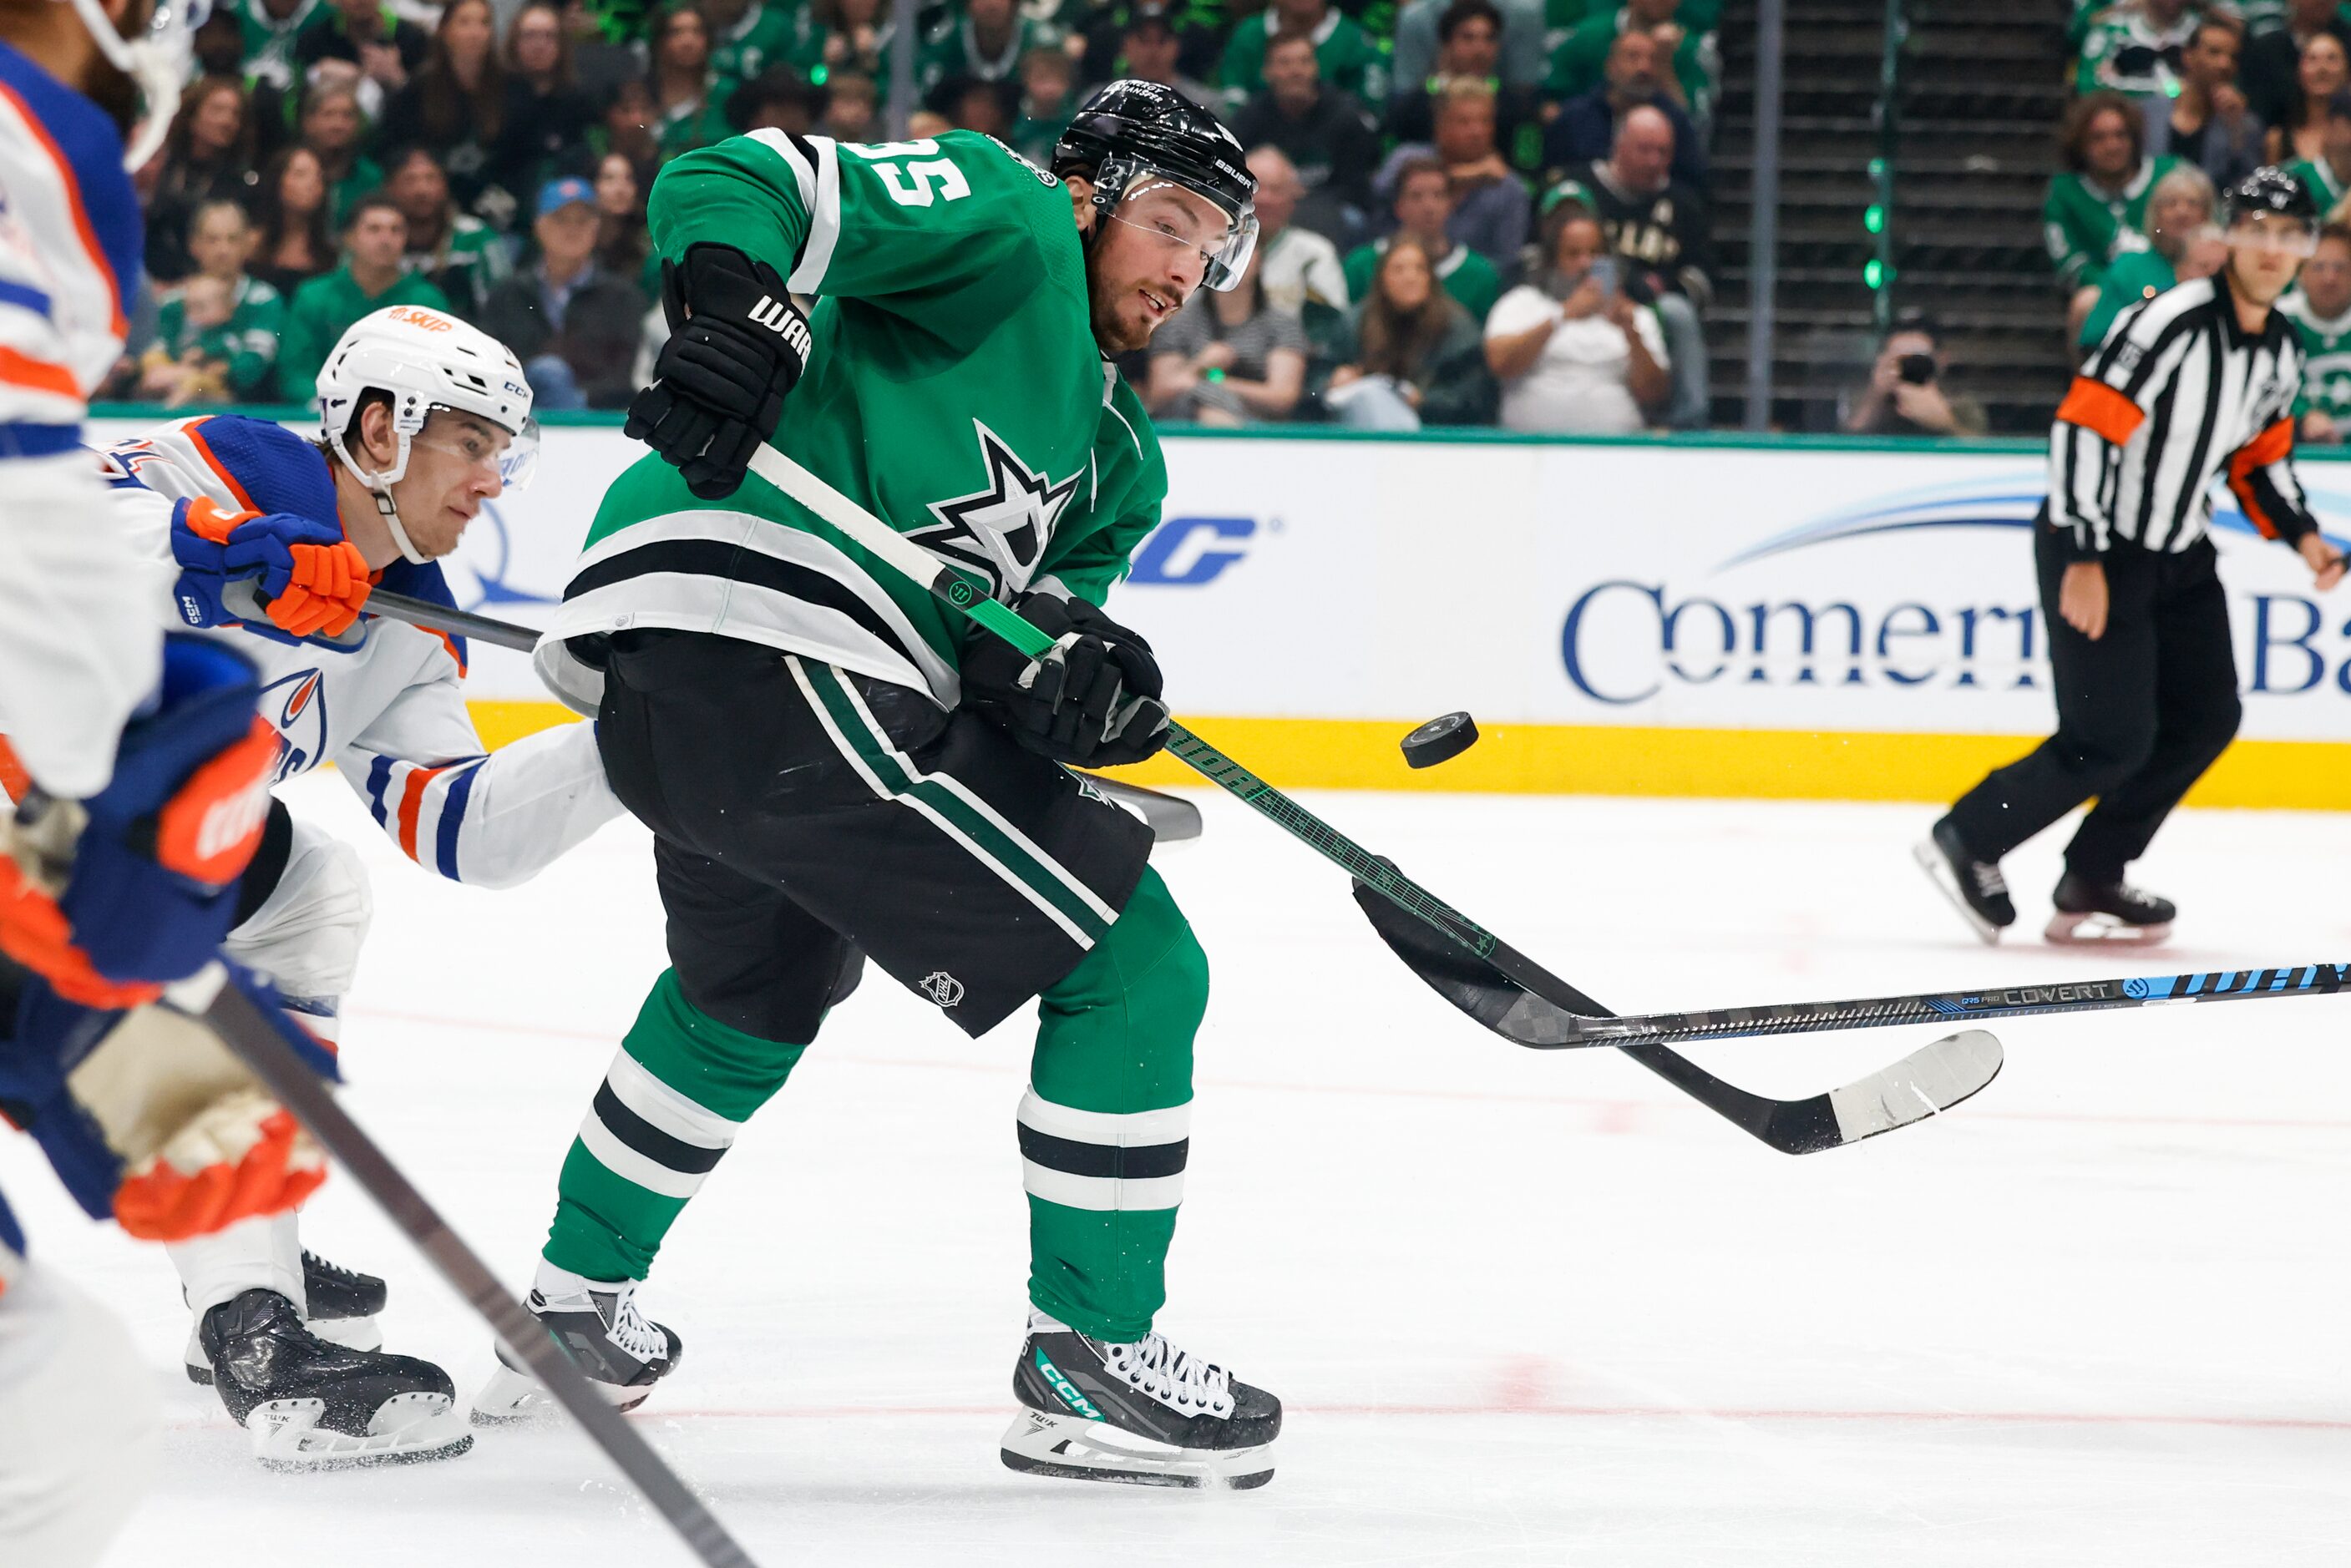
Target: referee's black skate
1975 888
621 1352
340 1305
2092 913
313 1404
1145 1413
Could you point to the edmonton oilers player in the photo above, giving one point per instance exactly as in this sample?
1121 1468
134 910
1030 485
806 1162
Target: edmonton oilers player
139 774
423 421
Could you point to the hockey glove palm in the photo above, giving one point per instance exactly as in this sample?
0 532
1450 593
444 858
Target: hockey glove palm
148 1117
1092 701
312 580
108 899
736 346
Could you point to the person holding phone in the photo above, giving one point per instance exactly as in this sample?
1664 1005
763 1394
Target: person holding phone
1574 354
1905 395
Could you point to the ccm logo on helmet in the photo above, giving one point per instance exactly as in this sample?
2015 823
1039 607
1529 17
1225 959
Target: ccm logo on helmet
414 316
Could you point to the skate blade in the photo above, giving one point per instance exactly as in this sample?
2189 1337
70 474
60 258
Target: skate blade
407 1428
1938 871
352 1333
2098 929
1037 1443
516 1398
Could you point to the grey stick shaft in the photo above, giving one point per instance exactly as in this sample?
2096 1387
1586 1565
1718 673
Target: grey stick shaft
240 1025
901 66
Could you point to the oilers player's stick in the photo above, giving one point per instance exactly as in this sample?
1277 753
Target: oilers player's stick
1467 965
1172 820
232 1015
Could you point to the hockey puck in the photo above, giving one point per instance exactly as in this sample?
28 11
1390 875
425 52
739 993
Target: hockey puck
1440 740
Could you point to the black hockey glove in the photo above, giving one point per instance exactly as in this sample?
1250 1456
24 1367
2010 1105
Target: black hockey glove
719 384
1093 700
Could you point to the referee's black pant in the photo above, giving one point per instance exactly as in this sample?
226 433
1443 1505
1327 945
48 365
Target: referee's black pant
2141 712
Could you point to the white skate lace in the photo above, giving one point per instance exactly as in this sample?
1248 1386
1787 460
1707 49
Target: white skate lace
629 1329
1172 1377
1990 882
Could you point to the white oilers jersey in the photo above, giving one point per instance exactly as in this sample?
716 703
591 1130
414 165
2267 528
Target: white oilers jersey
79 645
388 710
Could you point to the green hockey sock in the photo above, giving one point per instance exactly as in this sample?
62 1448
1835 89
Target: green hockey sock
1105 1124
673 1102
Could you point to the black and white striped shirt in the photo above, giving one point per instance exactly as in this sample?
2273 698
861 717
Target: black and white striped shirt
2178 395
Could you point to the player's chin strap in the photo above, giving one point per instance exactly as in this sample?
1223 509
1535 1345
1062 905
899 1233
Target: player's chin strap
379 488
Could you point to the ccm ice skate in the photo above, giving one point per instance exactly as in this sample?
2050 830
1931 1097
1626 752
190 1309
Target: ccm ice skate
1975 888
340 1306
622 1352
2093 913
1145 1413
312 1404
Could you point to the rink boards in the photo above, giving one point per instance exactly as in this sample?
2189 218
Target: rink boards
1799 618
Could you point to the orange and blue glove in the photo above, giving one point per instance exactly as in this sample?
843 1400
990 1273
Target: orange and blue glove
312 581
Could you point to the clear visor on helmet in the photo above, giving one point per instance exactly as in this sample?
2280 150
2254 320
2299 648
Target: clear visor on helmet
2275 232
1224 250
478 438
158 59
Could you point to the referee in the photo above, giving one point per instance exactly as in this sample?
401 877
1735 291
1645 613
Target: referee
2196 383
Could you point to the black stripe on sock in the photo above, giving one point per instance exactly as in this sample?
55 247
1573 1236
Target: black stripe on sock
673 1153
1074 1159
716 558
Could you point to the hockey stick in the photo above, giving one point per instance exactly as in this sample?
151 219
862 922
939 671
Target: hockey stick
1172 820
233 1016
1923 1083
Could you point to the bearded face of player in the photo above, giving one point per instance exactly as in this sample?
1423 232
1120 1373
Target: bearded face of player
1148 258
453 472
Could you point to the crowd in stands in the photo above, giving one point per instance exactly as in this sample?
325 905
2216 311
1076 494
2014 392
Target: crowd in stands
1473 212
2176 102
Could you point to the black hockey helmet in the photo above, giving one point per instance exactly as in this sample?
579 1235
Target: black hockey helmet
1131 129
2270 189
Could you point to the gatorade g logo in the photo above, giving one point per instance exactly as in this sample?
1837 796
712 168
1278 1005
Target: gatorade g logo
1066 1389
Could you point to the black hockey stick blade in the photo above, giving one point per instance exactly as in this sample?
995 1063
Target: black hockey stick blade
1172 818
1926 1083
240 1025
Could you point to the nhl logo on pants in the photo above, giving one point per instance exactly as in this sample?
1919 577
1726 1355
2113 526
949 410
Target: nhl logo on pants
943 988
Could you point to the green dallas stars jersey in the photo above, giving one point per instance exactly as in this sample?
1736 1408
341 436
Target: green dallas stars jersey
2327 359
955 392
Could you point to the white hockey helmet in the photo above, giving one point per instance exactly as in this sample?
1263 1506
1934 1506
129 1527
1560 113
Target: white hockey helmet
158 61
425 359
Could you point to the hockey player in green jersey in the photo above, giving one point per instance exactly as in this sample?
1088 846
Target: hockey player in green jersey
831 770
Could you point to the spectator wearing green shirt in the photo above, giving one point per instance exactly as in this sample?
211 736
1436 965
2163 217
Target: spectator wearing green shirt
217 337
2328 176
985 44
2135 49
2182 242
690 100
1424 207
1579 63
1049 79
2097 203
375 241
747 36
367 36
267 30
829 37
1349 58
460 255
2319 310
331 128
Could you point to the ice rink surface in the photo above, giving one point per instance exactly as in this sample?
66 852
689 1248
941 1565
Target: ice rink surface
1522 1308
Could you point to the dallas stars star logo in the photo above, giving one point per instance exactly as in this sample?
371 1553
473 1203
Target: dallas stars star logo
999 533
